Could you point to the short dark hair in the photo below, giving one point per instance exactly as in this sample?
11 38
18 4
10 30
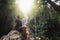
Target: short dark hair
18 16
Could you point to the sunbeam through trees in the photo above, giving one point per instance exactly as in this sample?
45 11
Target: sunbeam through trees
40 17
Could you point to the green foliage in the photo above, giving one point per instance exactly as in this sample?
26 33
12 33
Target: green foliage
7 15
47 22
52 26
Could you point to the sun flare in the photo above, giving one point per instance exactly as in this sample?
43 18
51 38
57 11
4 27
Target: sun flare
25 5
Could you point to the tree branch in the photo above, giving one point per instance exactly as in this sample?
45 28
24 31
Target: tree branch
54 5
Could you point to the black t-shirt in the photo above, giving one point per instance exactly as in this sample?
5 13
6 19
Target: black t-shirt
18 25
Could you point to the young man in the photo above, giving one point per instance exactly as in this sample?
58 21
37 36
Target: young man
25 33
18 26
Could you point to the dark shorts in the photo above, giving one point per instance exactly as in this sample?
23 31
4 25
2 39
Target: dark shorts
19 29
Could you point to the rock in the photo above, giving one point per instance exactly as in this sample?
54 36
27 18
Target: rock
12 35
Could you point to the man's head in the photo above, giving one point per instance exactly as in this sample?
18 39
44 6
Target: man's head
18 17
24 27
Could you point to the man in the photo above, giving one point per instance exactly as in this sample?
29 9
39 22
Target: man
25 33
18 26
